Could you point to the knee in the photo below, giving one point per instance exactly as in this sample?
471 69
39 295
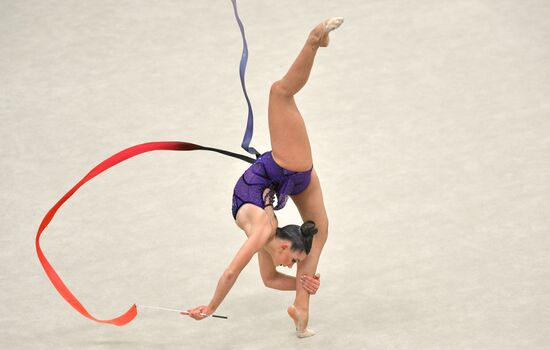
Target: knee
278 89
322 225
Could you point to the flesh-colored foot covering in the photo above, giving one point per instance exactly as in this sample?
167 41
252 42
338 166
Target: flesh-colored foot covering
301 331
326 27
306 333
333 23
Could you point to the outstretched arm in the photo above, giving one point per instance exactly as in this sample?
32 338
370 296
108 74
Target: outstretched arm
253 244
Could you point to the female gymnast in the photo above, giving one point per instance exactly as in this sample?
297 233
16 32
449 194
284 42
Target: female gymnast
286 170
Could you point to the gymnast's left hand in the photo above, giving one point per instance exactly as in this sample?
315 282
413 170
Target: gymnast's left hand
200 312
311 283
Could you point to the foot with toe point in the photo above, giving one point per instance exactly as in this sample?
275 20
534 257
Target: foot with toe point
320 34
299 322
333 23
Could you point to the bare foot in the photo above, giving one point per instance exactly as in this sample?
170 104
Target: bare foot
301 330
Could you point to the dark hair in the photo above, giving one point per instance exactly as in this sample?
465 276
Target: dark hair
300 237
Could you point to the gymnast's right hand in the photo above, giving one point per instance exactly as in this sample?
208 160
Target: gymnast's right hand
200 312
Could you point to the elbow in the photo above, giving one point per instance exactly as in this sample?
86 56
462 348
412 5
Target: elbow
268 282
230 275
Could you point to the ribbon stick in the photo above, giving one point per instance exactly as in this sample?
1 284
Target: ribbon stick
178 311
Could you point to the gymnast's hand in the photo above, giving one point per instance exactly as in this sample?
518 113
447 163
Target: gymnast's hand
311 283
200 312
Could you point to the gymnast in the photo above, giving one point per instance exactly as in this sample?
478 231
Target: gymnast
285 171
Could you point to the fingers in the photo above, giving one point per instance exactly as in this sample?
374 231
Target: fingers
310 284
198 313
191 313
198 316
311 290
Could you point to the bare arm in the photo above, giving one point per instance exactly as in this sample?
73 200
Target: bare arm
280 281
253 244
273 278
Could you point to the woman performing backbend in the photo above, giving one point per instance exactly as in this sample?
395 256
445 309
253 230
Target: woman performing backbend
285 171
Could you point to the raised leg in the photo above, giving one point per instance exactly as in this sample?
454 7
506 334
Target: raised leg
289 139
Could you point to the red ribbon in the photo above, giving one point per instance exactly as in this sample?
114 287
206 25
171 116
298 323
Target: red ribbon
106 164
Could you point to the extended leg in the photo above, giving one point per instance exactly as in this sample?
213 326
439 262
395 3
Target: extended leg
289 139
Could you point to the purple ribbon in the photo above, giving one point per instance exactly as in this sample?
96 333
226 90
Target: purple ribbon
242 69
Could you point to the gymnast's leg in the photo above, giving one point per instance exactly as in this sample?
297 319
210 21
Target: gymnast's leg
291 150
311 207
287 130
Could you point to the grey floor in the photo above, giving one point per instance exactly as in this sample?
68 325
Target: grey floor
430 126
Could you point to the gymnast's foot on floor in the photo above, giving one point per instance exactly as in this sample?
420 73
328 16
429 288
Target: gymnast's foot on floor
319 35
301 330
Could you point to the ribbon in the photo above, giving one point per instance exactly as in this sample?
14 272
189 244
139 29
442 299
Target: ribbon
101 167
242 69
123 155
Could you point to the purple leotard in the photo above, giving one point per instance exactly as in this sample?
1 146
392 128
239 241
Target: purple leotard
265 173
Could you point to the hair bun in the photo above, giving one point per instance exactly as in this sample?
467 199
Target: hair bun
308 229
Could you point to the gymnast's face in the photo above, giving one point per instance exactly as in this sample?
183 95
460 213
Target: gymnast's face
286 256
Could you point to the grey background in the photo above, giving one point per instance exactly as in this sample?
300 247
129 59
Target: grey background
430 126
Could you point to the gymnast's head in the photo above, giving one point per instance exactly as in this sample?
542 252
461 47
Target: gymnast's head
296 243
